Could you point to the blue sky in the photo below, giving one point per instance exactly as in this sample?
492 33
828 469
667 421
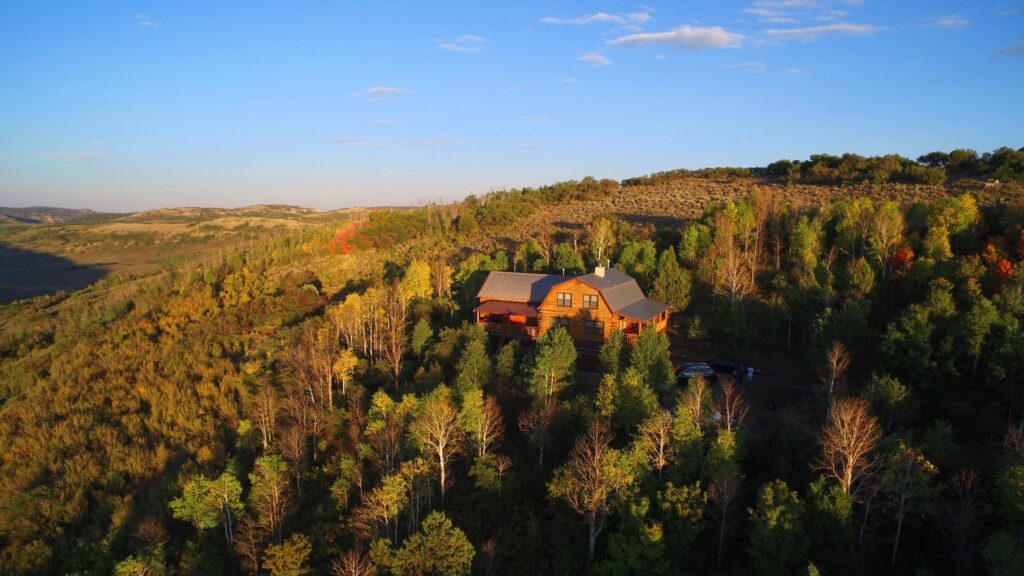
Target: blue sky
134 105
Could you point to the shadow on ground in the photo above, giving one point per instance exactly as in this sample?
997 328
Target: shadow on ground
24 274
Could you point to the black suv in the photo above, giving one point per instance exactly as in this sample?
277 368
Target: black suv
728 366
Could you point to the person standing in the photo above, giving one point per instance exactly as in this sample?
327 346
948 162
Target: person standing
750 374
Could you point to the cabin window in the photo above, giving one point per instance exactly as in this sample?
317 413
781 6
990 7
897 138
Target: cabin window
593 327
564 299
590 301
562 321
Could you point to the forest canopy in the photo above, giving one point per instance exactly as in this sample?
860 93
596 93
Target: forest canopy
322 402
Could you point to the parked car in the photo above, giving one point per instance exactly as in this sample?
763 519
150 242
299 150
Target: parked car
689 370
728 366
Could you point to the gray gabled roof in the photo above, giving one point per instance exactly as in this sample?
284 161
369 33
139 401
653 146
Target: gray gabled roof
643 309
619 289
519 286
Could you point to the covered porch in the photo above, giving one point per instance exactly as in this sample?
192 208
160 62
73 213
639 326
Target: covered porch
509 319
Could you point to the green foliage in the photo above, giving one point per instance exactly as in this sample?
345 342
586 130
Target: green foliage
149 563
553 363
565 258
474 367
682 511
1003 554
650 357
195 506
638 546
672 282
830 527
614 353
422 333
626 401
438 548
887 394
778 543
638 259
289 558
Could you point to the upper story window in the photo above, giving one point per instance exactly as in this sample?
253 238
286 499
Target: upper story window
590 301
564 299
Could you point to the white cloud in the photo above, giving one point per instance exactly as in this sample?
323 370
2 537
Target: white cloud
380 93
687 37
601 18
387 90
793 71
810 33
1017 50
428 143
769 15
790 4
356 142
759 67
146 21
359 142
952 21
595 59
568 80
465 43
74 155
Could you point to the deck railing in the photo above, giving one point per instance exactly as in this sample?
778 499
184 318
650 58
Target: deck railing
512 330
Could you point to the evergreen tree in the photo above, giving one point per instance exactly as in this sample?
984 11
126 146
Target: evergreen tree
778 542
672 282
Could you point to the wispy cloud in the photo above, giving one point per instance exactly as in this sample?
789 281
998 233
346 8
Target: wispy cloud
952 21
533 147
601 18
793 11
429 143
759 67
360 142
73 155
387 90
595 59
1017 50
568 80
466 43
146 21
383 121
380 93
356 142
811 33
793 71
789 4
533 118
769 15
691 38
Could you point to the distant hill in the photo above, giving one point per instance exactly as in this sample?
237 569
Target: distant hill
50 215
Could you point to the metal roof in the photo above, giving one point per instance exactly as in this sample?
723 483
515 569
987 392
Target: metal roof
643 309
518 286
619 289
515 308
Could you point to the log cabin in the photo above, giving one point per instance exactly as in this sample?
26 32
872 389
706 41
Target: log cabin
590 307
